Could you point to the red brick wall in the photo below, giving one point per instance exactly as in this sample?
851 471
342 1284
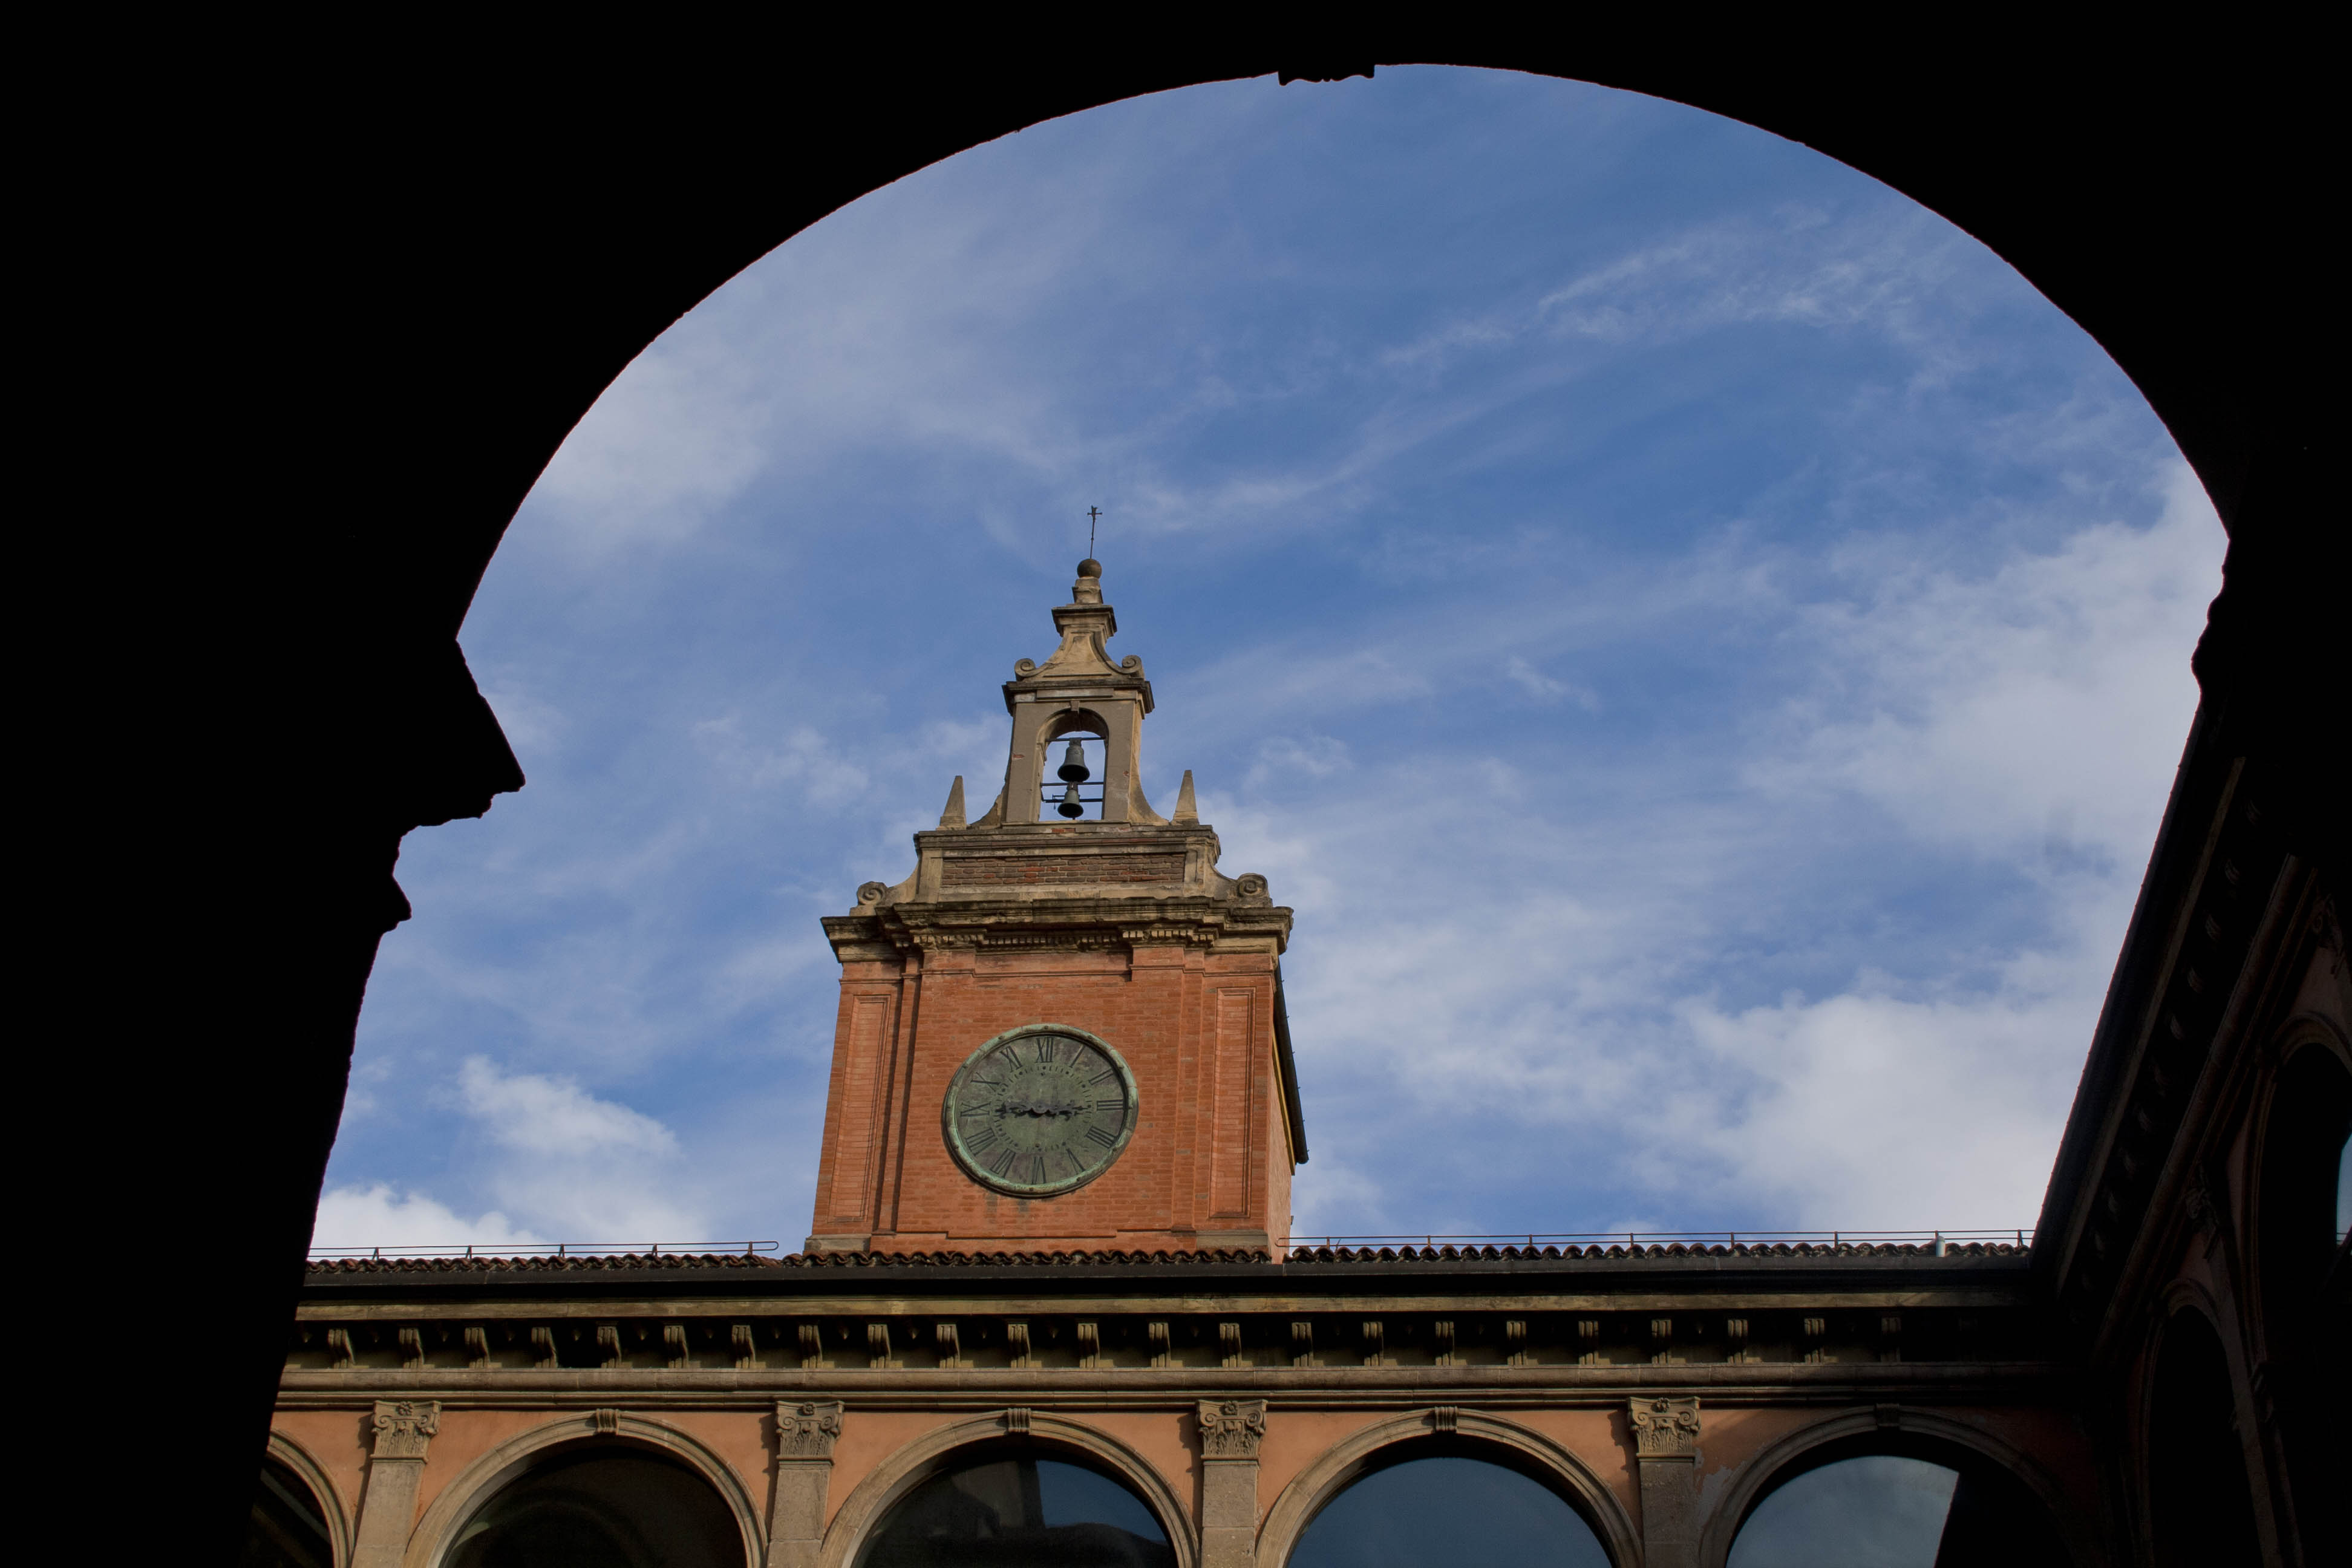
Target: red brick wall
1210 1152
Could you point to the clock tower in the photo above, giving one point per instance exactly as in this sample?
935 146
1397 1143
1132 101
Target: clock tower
1063 1029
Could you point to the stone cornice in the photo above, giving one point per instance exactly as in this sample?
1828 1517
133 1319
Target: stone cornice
1059 924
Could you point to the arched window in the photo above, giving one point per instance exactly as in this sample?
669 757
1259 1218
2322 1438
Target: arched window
1018 1510
1843 1508
1438 1510
604 1505
2200 1505
287 1529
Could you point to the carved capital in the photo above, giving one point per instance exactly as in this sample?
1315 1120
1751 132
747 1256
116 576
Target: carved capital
1230 1428
1666 1428
404 1427
805 1429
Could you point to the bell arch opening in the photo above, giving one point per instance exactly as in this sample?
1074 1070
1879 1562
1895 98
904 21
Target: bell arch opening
600 1505
1076 747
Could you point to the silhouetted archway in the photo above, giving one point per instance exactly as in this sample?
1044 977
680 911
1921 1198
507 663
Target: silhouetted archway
1896 1499
603 1506
2201 1509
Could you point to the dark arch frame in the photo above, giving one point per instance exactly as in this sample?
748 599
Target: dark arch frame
1914 1435
401 282
2213 1439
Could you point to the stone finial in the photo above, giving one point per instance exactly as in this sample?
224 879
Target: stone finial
404 1427
1666 1428
805 1429
952 817
1232 1429
1088 589
1187 808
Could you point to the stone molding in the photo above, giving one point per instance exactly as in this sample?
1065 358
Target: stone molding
312 1474
807 1430
1666 1428
1232 1429
428 1544
404 1428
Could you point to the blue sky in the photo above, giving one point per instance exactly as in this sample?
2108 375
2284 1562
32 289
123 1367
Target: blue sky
1699 641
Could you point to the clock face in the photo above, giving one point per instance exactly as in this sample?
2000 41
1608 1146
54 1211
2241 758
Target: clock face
1040 1109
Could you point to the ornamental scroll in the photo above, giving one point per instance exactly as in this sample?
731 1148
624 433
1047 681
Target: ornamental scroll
404 1427
1666 1428
1232 1429
805 1429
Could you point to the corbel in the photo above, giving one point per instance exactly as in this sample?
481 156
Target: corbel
411 1347
1016 1344
1811 1334
1514 1342
1302 1343
1155 1334
1588 1341
1735 1347
608 1346
1890 1337
1661 1335
813 1357
1375 1337
478 1347
950 1344
339 1340
878 1348
542 1345
746 1347
1229 1343
673 1346
1441 1339
1090 1356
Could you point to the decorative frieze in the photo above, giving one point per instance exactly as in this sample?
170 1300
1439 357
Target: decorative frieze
1232 1429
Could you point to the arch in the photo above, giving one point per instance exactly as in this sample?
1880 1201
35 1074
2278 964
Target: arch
1912 1434
323 1490
917 1460
1072 720
2196 1494
2291 1231
1470 1433
476 1485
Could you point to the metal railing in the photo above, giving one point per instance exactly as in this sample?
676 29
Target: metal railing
553 1250
2016 1237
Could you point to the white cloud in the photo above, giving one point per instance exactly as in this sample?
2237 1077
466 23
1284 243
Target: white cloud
378 1216
534 1114
584 1169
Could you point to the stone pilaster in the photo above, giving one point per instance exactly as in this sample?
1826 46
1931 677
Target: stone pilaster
1230 1430
806 1432
395 1474
1665 1451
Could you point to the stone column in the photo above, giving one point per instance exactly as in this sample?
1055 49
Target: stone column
1665 1450
395 1472
1230 1432
805 1430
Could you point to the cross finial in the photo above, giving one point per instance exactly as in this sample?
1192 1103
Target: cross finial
1093 513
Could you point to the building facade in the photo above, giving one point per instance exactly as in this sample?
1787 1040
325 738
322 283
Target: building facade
1051 1228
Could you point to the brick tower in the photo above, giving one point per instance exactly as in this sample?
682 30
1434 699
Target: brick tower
1065 1028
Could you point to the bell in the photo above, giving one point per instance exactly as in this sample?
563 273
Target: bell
1074 769
1071 805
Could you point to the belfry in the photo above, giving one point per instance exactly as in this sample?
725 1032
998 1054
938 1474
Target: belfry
1063 1030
